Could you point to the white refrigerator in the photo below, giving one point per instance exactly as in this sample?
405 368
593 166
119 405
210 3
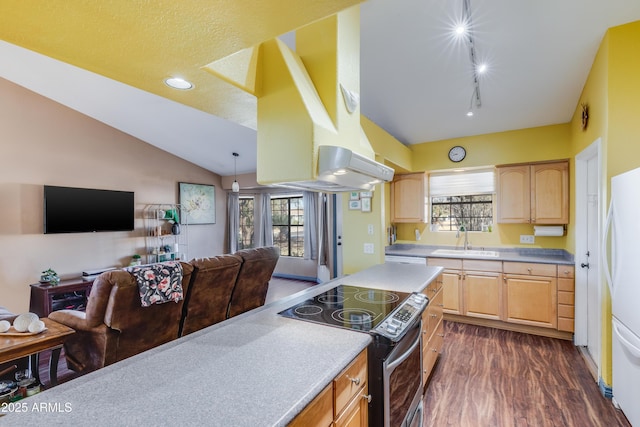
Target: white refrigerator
623 278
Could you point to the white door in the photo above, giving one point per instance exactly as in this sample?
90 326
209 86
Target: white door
589 215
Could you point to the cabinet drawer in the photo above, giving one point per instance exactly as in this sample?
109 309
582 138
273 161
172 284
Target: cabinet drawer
350 381
482 265
565 325
565 297
565 284
318 413
431 351
432 314
566 311
531 269
447 263
566 271
433 287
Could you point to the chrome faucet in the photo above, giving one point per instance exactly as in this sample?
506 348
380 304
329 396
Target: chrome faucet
464 228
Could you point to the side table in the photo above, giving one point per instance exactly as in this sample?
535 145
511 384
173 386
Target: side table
14 347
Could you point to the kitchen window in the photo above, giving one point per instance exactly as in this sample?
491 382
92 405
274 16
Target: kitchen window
462 199
246 225
287 215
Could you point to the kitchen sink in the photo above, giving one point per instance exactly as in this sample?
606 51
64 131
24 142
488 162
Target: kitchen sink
466 253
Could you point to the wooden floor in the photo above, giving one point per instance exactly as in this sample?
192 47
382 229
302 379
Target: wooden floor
491 377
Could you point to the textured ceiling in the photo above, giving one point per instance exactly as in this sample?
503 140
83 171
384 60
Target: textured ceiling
108 59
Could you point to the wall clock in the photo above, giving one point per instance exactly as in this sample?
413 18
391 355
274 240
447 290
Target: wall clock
457 154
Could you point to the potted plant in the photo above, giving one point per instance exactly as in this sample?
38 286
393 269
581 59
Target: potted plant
50 276
135 260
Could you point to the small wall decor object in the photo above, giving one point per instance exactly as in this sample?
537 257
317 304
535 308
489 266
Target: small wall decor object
355 205
366 204
368 194
585 115
198 202
354 195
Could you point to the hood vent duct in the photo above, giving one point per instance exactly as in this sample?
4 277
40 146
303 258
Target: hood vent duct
342 170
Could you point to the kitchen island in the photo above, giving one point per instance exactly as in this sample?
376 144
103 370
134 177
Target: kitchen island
256 369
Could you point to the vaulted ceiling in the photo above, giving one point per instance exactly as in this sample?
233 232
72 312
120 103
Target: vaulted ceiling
109 59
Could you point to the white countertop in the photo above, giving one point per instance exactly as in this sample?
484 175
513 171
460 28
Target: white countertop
256 369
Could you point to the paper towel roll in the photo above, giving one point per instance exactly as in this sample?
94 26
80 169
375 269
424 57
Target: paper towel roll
548 230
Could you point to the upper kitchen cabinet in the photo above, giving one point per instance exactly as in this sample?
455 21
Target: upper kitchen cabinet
409 198
533 193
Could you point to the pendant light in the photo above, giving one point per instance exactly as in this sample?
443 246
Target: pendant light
235 187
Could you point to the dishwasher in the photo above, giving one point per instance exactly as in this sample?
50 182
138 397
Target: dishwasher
405 259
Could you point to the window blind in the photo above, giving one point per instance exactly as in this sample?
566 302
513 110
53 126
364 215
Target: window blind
481 181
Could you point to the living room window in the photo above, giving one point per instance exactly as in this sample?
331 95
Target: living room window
287 215
462 198
246 226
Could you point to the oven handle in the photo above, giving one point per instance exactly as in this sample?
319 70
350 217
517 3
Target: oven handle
405 355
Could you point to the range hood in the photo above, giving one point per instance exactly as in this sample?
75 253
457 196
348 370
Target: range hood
342 170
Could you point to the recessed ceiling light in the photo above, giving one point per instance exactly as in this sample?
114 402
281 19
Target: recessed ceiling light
178 83
460 29
469 113
482 68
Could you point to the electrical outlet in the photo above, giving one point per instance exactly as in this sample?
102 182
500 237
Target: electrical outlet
370 229
527 238
368 248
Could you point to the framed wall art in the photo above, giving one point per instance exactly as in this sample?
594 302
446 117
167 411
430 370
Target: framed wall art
354 205
198 203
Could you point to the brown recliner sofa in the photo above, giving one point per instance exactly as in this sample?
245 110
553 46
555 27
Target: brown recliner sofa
209 295
114 325
251 287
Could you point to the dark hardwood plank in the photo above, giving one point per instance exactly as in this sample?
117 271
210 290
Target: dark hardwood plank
492 377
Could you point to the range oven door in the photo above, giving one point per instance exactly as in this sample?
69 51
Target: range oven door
402 377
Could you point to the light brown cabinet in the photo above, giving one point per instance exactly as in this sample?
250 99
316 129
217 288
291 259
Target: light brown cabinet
471 287
432 328
482 289
530 294
344 402
566 298
533 193
532 297
409 203
451 283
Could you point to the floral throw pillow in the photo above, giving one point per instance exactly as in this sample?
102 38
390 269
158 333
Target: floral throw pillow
158 283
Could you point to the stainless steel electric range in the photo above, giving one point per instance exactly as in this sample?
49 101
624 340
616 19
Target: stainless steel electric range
395 361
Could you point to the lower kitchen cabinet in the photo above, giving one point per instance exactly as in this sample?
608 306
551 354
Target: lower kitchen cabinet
451 283
531 294
482 289
566 298
432 327
344 402
529 297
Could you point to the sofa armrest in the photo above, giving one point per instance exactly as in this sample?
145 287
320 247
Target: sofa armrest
72 318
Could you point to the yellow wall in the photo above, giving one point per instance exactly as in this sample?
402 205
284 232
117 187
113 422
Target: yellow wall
518 146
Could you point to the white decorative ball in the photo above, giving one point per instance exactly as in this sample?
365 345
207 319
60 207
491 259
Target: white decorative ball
36 326
4 325
23 321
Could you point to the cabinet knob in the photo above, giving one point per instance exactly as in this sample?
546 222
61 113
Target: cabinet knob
441 335
434 316
355 380
529 269
435 350
367 397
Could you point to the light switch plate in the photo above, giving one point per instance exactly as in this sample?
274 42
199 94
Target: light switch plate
368 248
370 229
527 238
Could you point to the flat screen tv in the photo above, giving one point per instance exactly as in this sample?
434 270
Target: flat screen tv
83 210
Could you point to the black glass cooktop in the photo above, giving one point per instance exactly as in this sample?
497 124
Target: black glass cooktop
348 307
